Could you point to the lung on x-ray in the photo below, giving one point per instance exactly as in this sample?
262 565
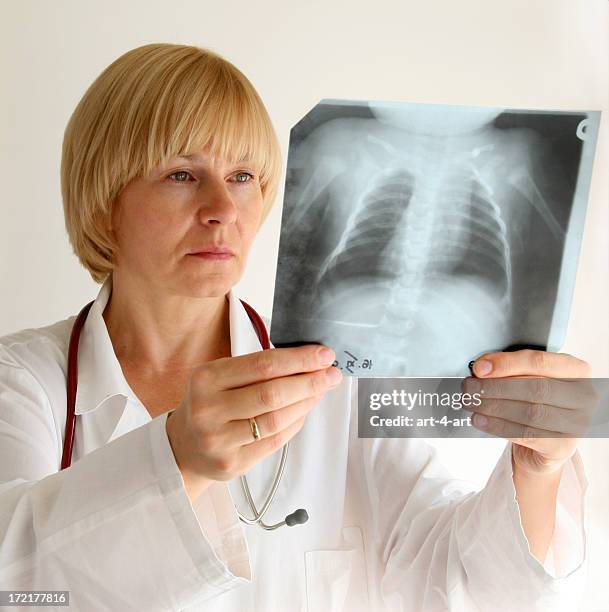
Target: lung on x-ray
415 237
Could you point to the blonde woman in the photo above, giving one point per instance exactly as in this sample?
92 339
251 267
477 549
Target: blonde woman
170 164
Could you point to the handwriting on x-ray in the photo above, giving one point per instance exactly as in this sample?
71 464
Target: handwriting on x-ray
351 363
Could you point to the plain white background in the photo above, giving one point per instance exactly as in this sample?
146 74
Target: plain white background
550 54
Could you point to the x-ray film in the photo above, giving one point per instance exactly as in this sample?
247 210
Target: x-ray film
415 237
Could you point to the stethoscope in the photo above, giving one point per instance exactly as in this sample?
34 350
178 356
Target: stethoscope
296 518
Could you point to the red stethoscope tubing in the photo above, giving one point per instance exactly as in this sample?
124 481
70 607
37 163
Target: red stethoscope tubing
72 377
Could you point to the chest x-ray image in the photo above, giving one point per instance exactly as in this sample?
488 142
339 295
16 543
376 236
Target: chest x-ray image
415 237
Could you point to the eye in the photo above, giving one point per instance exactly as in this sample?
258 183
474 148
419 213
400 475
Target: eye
181 176
243 177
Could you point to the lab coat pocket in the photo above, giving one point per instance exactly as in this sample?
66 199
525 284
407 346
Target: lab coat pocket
336 579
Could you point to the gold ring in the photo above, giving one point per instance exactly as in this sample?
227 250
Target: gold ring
255 430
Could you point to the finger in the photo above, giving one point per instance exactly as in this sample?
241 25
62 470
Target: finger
540 416
537 363
231 372
251 454
535 438
270 423
578 394
260 398
547 446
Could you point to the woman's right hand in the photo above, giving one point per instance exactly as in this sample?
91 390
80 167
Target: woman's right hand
210 433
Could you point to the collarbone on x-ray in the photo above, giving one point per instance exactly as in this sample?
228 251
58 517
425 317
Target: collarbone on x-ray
416 237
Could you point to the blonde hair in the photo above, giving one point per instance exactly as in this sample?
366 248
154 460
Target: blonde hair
152 103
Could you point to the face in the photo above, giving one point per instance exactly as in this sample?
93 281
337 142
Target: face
168 224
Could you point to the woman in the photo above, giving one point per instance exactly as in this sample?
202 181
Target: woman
170 163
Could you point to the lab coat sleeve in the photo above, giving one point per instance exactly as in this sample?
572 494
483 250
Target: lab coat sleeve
117 528
444 545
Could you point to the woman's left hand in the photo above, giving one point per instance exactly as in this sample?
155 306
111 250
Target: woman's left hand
544 413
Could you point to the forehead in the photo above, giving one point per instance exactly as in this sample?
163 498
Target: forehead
207 158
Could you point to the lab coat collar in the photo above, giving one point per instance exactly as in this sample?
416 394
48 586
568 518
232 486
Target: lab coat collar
100 377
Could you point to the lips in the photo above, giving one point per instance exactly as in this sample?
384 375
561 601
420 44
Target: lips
213 250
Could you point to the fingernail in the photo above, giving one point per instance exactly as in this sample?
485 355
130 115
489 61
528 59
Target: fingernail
333 376
483 367
325 356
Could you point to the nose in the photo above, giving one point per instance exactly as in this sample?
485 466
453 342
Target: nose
216 206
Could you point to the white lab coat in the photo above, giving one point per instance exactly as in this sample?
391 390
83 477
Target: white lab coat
388 529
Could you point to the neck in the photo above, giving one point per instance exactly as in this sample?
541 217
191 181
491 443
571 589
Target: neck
165 333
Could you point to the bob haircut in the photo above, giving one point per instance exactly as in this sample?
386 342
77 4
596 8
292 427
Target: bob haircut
152 103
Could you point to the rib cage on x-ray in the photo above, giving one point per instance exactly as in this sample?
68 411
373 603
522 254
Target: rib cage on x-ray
417 252
395 235
407 234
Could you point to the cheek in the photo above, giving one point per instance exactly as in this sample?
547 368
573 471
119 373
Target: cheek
250 221
146 232
147 225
